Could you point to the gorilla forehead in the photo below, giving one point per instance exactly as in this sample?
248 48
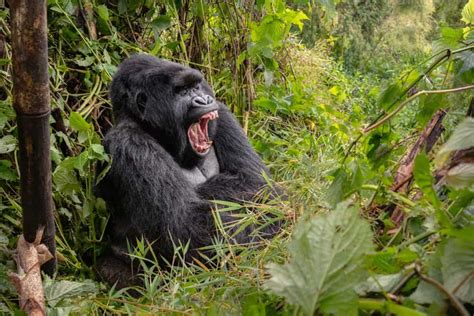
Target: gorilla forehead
142 67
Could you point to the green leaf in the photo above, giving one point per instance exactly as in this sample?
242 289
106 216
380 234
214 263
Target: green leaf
326 264
462 138
428 106
424 178
78 123
103 12
466 234
468 13
379 283
391 94
7 144
98 152
384 261
161 23
57 291
64 177
85 62
6 172
457 266
461 176
464 67
336 190
426 293
450 38
295 17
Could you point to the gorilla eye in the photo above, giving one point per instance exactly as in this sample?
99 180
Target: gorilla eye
181 90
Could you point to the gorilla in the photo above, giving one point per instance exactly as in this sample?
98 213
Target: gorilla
174 149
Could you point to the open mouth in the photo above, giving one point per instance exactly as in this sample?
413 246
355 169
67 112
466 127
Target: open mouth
198 133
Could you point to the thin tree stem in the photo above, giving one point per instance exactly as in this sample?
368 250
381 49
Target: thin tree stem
413 97
454 301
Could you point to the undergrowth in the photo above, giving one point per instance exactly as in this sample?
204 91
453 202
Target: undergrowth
321 120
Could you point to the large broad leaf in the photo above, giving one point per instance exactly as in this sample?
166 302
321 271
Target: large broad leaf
326 263
458 267
462 138
468 13
57 291
452 265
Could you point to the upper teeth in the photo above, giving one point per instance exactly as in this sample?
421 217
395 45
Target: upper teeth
213 115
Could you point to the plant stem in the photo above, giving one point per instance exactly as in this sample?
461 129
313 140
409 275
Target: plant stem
413 97
416 238
384 306
454 301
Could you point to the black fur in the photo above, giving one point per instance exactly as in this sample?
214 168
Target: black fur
145 189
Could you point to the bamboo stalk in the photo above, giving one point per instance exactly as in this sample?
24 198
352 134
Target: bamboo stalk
31 102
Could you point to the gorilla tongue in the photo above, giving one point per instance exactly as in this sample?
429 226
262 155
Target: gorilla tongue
198 133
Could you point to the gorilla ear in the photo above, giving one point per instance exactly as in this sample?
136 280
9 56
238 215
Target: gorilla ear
140 100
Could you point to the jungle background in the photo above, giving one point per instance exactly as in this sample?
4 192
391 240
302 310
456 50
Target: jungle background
362 109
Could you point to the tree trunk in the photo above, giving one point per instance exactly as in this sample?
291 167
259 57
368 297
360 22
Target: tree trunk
32 106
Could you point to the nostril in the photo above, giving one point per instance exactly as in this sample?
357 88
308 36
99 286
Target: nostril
209 100
199 101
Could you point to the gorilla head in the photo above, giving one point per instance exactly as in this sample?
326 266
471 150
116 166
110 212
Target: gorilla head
172 102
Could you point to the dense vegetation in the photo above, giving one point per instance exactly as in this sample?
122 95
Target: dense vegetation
358 107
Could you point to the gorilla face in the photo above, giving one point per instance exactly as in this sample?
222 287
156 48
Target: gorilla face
199 109
170 101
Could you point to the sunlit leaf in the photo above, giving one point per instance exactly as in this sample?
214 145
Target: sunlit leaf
462 138
103 12
450 38
78 123
8 144
468 13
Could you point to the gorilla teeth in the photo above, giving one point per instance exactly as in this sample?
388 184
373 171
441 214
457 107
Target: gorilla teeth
198 133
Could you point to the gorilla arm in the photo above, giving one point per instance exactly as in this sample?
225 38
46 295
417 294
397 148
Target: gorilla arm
149 195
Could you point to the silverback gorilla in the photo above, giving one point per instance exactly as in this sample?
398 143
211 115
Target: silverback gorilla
174 148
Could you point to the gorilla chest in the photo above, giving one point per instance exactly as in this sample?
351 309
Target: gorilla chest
208 168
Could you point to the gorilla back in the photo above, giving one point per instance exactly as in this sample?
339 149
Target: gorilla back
173 148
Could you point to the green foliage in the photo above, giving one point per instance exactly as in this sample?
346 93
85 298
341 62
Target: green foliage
459 140
424 178
326 263
66 297
304 107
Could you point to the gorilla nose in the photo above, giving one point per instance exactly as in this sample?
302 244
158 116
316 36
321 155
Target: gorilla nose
203 101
